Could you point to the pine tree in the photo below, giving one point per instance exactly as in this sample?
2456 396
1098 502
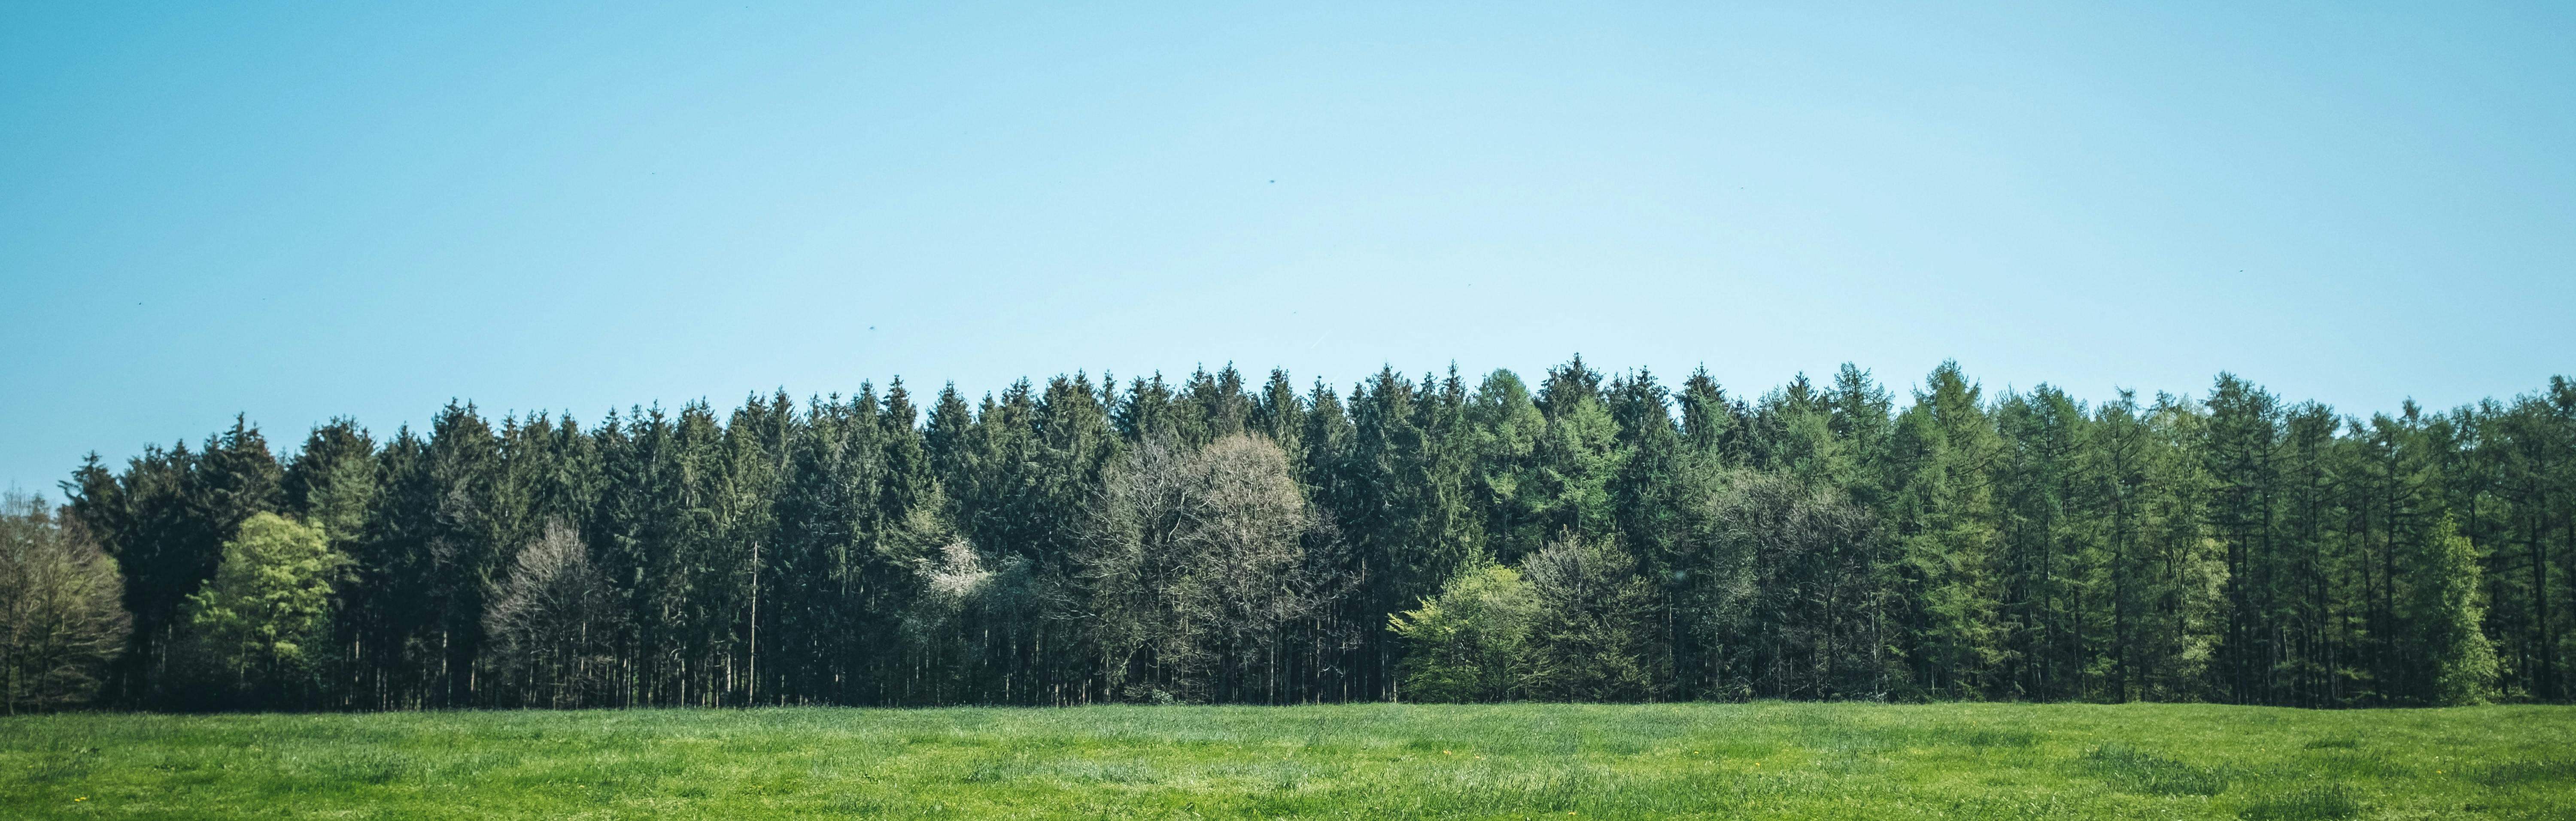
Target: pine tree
1575 457
1713 424
386 623
237 477
2117 470
1943 456
1710 450
463 541
1076 446
1280 414
332 481
1506 427
2311 551
2240 452
826 519
2045 543
1659 499
1819 543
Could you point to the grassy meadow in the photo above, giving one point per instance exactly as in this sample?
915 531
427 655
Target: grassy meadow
1766 760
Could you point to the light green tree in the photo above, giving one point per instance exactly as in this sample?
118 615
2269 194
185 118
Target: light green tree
2446 612
262 615
1471 643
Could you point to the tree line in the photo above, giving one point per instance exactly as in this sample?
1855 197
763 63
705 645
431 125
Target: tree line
1212 540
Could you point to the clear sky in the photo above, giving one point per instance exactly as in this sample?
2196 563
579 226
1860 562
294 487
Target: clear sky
303 210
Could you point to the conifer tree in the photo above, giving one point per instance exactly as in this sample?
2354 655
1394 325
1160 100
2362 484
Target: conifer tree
2243 440
1280 414
2044 540
235 478
1820 543
1575 457
332 481
1944 454
1713 424
1507 428
827 518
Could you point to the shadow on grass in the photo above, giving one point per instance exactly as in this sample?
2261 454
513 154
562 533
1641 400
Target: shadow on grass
2133 770
2520 773
2326 803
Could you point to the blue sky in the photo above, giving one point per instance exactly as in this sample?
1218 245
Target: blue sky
297 211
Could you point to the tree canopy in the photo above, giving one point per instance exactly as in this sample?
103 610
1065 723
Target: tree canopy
1217 538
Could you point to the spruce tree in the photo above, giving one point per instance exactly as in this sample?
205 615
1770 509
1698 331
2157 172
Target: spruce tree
1575 458
331 482
1944 454
2241 454
1507 427
1819 543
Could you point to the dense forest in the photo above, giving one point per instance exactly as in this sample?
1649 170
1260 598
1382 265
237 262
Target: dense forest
1588 537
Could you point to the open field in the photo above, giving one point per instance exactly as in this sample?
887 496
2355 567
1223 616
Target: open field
1773 760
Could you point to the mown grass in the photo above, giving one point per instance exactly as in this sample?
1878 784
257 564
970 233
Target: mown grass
1770 760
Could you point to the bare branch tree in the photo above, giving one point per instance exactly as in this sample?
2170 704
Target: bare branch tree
61 618
1197 563
547 618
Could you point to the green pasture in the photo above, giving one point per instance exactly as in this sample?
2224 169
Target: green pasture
1767 760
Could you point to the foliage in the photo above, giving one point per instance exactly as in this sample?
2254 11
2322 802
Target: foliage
2446 614
261 621
1789 592
1591 635
60 618
1198 563
1224 539
1472 642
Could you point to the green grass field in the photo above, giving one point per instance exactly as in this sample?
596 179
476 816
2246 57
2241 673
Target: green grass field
1772 760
